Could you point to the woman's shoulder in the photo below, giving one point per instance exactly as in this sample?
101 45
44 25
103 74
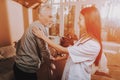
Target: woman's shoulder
93 42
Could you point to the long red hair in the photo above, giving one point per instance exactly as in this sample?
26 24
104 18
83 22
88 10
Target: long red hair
93 26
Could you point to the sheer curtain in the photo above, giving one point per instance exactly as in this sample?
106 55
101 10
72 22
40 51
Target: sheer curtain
111 19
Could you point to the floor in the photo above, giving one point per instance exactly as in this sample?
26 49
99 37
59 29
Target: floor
6 72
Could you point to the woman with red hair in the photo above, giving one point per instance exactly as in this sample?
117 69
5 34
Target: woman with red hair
86 51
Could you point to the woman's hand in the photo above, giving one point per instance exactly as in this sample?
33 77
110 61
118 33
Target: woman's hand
37 32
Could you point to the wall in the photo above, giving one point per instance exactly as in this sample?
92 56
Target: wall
15 18
4 24
13 21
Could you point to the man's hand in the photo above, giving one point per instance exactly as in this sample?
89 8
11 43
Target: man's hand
53 66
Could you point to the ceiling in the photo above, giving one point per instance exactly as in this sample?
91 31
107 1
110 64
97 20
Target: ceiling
30 3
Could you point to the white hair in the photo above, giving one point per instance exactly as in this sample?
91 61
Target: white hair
44 8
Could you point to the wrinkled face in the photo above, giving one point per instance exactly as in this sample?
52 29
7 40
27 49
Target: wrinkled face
81 23
47 18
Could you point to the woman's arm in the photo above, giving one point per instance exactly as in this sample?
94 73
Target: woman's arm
40 34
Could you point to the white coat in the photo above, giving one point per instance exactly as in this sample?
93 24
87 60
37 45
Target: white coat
81 57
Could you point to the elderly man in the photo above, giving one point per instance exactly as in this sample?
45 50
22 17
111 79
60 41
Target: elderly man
33 53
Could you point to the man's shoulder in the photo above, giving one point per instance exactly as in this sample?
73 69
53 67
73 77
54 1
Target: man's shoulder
36 23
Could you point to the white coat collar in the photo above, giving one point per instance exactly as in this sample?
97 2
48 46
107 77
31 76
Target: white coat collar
83 41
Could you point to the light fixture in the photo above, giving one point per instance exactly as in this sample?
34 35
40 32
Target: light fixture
30 3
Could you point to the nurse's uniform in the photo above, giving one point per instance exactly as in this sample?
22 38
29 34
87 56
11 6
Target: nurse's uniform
81 57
